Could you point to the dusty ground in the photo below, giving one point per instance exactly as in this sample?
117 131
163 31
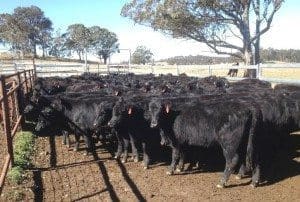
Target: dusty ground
60 174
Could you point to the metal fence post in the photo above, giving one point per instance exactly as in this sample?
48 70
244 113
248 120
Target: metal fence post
258 71
177 68
26 84
6 120
209 70
34 68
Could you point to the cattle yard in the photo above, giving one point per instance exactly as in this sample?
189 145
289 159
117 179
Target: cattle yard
61 174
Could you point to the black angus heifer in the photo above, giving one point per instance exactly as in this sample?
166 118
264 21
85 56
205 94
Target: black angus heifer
75 116
131 126
104 132
227 123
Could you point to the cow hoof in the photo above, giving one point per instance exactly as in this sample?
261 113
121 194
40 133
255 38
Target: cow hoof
124 161
75 149
238 177
63 143
146 167
220 186
136 160
254 184
178 170
116 157
169 172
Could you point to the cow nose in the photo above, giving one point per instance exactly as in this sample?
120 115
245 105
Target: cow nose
153 125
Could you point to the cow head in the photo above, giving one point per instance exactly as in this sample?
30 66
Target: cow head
119 113
104 114
157 110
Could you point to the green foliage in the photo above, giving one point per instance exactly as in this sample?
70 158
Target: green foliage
23 150
25 28
103 42
225 26
15 175
289 55
141 55
77 38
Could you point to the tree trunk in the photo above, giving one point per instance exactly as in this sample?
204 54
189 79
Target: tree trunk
105 60
251 73
245 31
43 52
257 33
79 55
34 50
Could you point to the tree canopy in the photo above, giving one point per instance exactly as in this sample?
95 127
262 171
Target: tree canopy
25 28
103 42
223 25
141 55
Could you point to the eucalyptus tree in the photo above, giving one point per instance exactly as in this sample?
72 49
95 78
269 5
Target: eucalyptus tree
77 39
25 28
141 55
103 42
58 45
225 26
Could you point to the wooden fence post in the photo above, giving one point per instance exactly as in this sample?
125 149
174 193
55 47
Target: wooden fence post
6 120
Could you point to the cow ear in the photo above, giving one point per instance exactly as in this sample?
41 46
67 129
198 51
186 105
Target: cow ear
117 93
130 111
167 108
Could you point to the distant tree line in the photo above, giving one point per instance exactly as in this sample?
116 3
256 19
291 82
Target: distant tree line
267 55
283 55
28 29
197 60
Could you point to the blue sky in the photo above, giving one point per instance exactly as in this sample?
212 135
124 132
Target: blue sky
106 13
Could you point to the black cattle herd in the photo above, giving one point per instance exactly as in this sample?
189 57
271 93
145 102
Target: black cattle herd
248 119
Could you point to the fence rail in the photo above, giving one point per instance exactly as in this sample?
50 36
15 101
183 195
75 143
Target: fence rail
14 88
65 70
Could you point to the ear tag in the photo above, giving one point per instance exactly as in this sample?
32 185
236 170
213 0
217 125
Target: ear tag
130 111
167 109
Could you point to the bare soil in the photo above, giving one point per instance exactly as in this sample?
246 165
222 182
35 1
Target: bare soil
60 174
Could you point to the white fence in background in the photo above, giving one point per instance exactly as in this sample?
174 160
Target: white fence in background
65 70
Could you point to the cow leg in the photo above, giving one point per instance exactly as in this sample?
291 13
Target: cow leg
126 146
231 162
242 172
120 147
175 157
77 139
255 176
88 142
135 154
66 138
180 166
146 159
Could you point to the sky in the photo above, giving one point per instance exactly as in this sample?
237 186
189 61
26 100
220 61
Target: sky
284 32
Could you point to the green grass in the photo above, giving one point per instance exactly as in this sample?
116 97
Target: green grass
23 150
15 175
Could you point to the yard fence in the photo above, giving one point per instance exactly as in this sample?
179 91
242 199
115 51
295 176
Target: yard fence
267 72
14 89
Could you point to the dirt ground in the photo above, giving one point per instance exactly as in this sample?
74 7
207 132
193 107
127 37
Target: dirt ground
60 174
